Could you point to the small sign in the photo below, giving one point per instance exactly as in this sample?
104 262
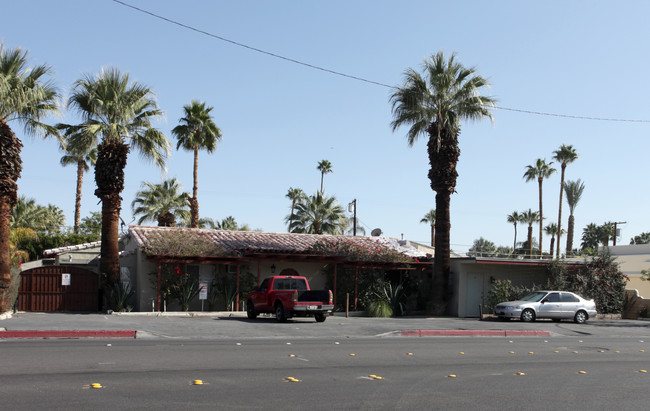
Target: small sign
203 291
65 279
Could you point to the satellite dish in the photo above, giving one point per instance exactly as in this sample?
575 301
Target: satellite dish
376 232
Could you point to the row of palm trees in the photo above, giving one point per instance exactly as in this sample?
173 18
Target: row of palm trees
540 171
117 116
573 191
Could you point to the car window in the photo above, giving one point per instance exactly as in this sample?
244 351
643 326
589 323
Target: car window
534 297
569 298
265 284
553 298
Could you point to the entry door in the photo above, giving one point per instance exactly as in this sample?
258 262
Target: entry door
474 294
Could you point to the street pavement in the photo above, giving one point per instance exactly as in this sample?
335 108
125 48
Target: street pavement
237 326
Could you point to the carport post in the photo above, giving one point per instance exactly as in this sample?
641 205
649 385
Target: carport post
334 296
159 285
237 297
356 283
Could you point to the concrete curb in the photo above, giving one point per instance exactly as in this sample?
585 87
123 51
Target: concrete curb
69 334
474 333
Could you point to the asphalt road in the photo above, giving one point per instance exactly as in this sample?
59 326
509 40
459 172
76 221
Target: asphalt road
601 373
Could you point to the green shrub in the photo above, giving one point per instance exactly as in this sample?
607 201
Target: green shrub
379 308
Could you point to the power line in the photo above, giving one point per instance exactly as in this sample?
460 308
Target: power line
338 73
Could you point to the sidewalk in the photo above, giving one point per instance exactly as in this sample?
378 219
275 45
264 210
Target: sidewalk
235 325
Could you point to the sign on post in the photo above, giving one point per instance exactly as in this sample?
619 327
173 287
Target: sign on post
65 279
203 291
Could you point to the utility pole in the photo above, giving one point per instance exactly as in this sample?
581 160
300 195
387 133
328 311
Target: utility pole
615 224
354 222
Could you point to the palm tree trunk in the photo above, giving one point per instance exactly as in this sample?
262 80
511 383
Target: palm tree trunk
441 256
553 245
11 166
77 201
530 241
569 237
514 243
559 212
541 217
443 154
5 256
194 200
322 176
433 235
109 176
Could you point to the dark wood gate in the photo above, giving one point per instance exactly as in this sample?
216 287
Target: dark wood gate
42 289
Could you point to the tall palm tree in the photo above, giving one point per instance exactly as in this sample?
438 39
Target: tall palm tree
26 97
196 131
119 113
530 217
82 153
325 167
539 172
430 218
319 214
295 195
514 218
163 203
573 191
565 155
433 105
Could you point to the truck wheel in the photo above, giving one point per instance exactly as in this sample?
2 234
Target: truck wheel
320 317
280 315
250 310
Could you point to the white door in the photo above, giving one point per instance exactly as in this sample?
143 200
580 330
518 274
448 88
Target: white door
474 294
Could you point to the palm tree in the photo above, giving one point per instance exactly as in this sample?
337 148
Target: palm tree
514 218
121 114
552 230
26 96
430 218
162 202
593 234
539 172
295 195
565 155
197 131
433 106
28 214
573 191
319 214
325 167
82 153
530 217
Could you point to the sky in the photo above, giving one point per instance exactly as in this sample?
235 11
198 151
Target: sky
279 118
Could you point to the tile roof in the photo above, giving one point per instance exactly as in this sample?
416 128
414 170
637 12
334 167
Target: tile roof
78 247
255 242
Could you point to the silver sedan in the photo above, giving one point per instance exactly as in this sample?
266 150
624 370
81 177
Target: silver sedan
556 305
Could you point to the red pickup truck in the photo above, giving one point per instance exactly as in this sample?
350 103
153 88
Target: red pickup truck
288 296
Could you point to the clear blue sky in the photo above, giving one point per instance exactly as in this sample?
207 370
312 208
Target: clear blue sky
583 58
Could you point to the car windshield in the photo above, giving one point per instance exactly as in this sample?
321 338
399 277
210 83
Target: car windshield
536 297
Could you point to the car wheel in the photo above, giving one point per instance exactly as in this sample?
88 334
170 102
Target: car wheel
528 315
581 317
250 310
320 317
280 315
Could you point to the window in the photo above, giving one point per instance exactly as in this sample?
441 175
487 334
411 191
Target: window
569 298
265 284
552 298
